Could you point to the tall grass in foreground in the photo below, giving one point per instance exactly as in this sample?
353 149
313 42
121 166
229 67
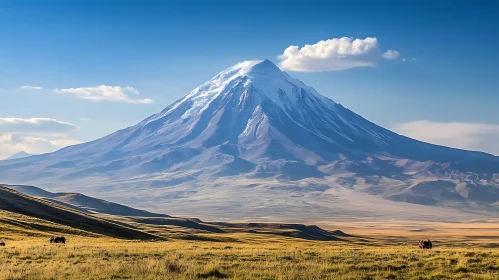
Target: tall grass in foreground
94 258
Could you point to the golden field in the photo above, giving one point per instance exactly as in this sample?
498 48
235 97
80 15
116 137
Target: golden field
251 257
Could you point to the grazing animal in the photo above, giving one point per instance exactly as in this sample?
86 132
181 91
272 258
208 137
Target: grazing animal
425 244
58 239
2 244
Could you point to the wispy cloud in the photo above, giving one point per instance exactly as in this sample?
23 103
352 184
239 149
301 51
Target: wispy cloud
31 87
35 125
34 135
390 54
106 93
334 54
12 143
468 136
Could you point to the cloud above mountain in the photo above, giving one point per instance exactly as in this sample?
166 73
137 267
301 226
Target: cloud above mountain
462 135
334 54
12 143
106 93
34 135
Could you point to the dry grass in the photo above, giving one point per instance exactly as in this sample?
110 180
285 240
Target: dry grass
253 257
462 251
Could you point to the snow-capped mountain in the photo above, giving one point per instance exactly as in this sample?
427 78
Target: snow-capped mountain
253 130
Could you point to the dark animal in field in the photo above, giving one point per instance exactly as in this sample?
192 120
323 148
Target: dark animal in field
425 244
2 244
58 239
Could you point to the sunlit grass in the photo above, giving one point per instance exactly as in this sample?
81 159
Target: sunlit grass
255 258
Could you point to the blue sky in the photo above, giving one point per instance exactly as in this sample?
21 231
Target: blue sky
446 91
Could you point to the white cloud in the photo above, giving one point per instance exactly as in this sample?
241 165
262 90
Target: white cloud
34 135
390 54
108 93
333 54
32 87
468 136
11 143
404 60
35 125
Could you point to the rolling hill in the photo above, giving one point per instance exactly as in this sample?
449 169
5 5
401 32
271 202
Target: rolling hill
85 203
18 203
26 215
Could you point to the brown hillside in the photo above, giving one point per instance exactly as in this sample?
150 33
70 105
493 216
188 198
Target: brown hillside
16 202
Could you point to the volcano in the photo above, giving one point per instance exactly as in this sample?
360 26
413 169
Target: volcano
254 142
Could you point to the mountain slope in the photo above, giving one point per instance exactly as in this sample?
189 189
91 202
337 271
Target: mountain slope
18 203
255 138
85 203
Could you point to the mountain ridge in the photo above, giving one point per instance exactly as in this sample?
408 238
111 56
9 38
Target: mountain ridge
21 154
84 203
16 202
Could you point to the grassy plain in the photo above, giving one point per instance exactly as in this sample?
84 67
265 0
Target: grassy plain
190 249
252 256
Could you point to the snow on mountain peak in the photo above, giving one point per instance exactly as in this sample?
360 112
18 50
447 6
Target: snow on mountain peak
262 75
251 68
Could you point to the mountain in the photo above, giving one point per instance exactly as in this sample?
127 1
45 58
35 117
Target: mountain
255 143
84 203
21 154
